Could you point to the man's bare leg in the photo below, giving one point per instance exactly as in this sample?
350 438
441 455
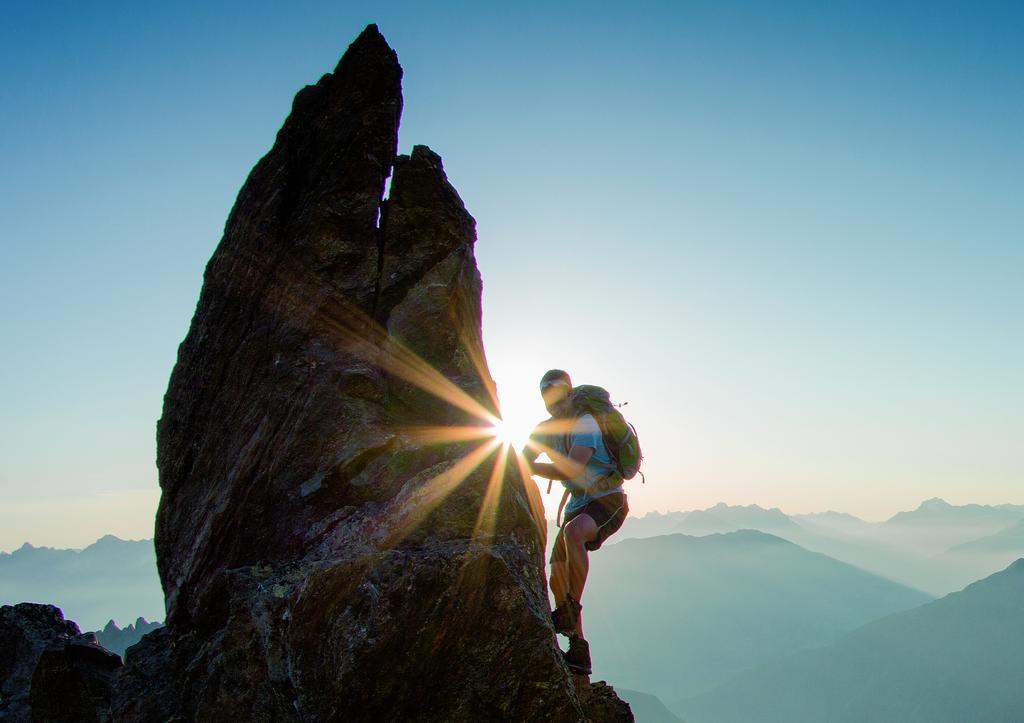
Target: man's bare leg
576 533
559 576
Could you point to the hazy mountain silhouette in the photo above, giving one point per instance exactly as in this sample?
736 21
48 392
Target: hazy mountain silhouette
1010 539
647 708
703 522
118 639
909 548
956 659
734 517
991 552
937 510
677 615
832 522
937 525
650 525
109 579
720 518
838 535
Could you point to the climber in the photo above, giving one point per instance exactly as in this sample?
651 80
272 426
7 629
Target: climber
596 504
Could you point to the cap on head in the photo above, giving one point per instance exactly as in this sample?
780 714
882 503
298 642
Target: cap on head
555 386
553 376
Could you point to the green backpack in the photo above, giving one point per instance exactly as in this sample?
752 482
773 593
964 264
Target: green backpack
619 436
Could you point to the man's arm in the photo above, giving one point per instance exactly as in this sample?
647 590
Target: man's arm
566 468
533 449
530 453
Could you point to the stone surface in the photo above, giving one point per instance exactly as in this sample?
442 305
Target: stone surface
146 688
26 630
49 671
600 701
322 556
73 681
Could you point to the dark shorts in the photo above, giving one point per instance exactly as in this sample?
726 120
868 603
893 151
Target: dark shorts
609 512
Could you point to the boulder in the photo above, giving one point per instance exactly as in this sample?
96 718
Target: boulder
49 670
26 630
73 681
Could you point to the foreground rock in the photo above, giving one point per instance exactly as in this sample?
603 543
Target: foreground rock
73 681
49 670
322 555
26 630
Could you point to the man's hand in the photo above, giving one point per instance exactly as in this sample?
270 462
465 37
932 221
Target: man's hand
564 468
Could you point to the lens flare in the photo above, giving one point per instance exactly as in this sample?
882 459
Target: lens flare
355 331
504 433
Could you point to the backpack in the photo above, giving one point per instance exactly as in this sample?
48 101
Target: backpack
619 436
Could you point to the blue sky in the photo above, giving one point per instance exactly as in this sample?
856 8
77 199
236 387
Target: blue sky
789 234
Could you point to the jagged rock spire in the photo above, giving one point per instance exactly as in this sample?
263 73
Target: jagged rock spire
322 558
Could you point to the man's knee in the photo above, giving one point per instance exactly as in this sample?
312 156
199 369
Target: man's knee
580 530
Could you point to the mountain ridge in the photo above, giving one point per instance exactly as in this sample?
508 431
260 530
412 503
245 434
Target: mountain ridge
1008 539
111 578
686 612
951 659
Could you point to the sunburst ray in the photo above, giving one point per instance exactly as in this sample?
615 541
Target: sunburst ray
429 495
486 518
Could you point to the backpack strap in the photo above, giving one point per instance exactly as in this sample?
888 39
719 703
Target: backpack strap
561 506
567 437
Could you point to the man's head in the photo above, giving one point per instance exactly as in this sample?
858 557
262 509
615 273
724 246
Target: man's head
555 386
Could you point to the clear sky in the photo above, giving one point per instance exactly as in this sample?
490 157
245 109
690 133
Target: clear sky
790 235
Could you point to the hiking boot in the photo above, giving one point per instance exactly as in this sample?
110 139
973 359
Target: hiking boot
577 657
566 616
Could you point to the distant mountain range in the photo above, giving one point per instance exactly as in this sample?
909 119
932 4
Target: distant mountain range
914 548
726 518
956 520
937 509
118 639
676 614
956 659
1009 540
110 579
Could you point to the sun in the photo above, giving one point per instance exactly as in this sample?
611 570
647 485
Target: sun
512 432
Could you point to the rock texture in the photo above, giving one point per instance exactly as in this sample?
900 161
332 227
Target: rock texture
26 630
73 681
49 670
322 556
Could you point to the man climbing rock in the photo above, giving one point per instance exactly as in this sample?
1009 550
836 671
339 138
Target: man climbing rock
596 507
